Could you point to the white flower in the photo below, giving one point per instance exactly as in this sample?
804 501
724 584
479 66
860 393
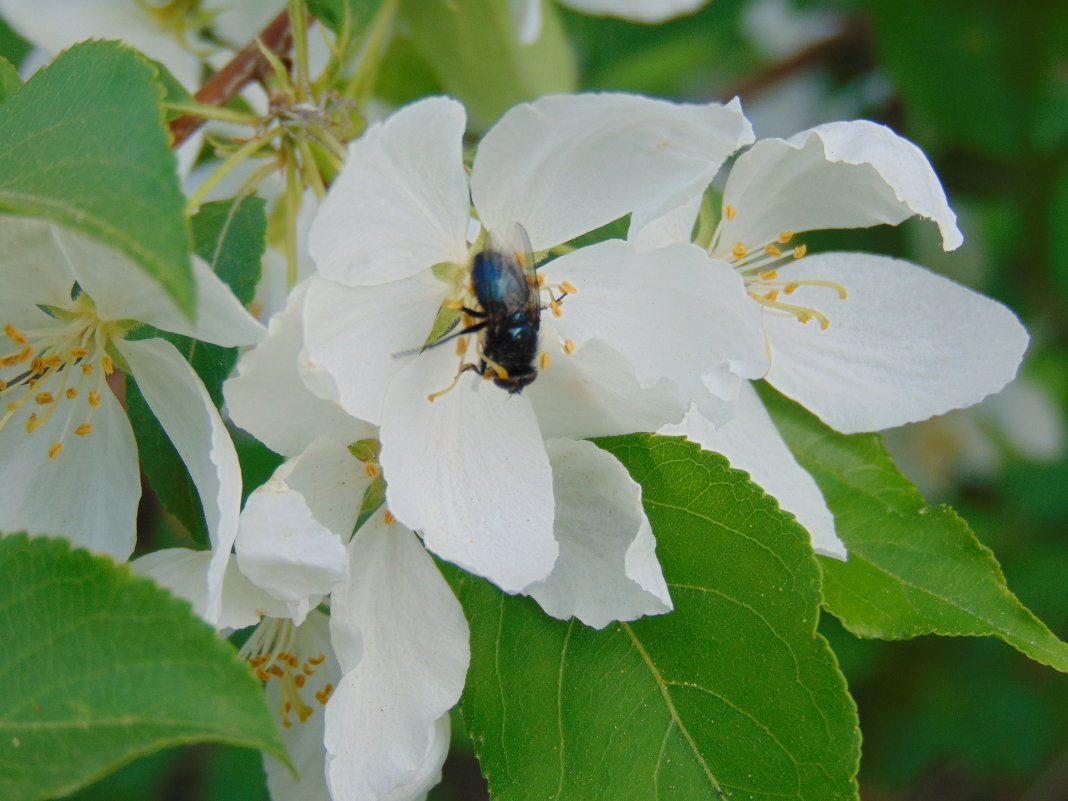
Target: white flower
865 342
68 462
527 13
471 470
395 656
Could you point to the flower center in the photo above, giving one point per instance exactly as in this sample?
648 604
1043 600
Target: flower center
757 264
61 366
272 655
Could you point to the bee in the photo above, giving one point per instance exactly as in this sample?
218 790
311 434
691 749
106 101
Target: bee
506 288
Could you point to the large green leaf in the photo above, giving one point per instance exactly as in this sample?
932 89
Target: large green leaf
83 144
731 695
10 82
231 236
913 568
100 666
473 48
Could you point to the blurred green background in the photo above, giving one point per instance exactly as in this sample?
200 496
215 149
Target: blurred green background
982 87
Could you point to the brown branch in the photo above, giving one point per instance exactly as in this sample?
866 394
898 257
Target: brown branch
245 67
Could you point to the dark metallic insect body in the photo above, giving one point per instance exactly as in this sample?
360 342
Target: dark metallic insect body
507 291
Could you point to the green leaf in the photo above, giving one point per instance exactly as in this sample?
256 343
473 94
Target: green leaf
231 236
333 13
10 82
913 569
731 695
473 48
83 144
101 666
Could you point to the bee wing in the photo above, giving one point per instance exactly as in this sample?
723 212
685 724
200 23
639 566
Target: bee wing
519 244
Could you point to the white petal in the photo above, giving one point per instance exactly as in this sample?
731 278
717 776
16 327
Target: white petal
593 393
268 398
752 443
905 344
527 17
124 291
185 573
566 164
607 569
32 267
293 527
672 313
382 720
55 25
1029 418
304 738
400 204
359 335
179 400
88 493
637 10
674 227
838 175
469 472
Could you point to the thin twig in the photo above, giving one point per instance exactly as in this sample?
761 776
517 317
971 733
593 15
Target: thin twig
245 67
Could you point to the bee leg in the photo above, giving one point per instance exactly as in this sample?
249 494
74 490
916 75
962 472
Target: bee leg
476 313
433 396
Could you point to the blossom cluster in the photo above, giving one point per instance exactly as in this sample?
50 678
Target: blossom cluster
404 437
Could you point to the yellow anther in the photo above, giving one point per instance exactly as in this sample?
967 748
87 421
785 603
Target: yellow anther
83 429
108 365
729 212
79 353
772 295
785 237
71 392
55 450
94 398
3 385
740 251
389 518
800 251
371 469
300 680
768 275
773 251
324 694
789 289
43 398
804 317
541 280
569 346
317 660
31 422
16 336
51 361
543 360
18 358
87 368
37 365
568 287
554 307
453 303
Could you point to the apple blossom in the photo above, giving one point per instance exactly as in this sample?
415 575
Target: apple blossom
865 342
469 468
68 461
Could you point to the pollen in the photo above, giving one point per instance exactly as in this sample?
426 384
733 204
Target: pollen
543 360
768 275
55 450
43 398
569 346
87 368
555 308
773 251
71 393
739 251
14 334
729 212
568 287
800 251
785 237
324 694
79 353
94 399
84 429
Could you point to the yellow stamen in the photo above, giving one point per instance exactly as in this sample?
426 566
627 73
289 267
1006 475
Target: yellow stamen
740 251
31 422
772 251
79 353
51 361
568 287
729 212
768 275
324 694
108 365
16 336
800 251
43 398
785 237
371 469
94 398
389 518
87 368
543 360
554 307
71 392
83 429
569 346
55 450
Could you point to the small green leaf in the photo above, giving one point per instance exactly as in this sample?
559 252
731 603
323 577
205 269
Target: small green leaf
913 569
101 666
83 144
231 236
731 695
473 48
335 13
10 82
